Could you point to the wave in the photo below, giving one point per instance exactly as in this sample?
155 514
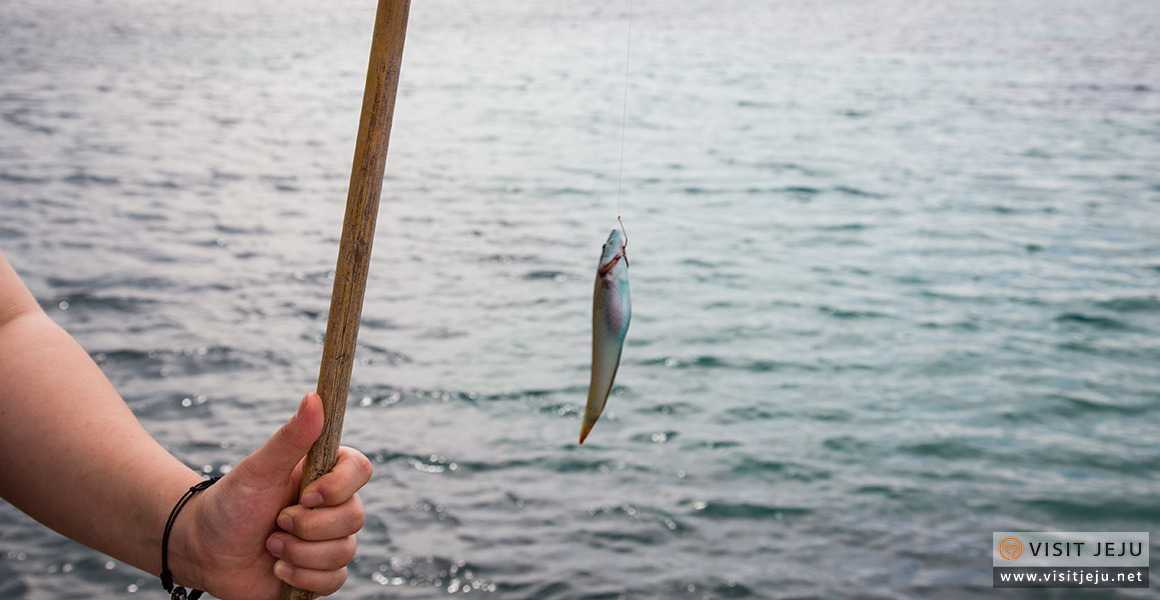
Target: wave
748 466
1098 322
747 510
1132 304
708 361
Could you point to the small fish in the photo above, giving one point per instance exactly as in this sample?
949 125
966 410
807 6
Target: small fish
611 311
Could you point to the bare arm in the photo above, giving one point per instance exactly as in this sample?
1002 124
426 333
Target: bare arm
73 456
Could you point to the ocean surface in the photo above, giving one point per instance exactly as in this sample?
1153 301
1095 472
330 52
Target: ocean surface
895 267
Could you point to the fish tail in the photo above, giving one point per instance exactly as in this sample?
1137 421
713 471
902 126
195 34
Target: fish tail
585 428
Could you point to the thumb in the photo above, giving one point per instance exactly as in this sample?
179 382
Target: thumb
273 462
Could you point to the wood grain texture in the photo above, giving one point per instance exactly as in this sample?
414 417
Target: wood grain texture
358 230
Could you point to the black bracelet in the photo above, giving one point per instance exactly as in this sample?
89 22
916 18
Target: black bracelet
178 592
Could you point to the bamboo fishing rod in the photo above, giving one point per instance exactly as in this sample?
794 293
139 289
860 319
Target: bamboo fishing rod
358 231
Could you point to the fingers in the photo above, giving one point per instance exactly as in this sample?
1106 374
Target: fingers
275 460
326 555
350 473
319 540
324 523
323 583
330 507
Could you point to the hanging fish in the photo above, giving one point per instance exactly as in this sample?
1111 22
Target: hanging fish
611 311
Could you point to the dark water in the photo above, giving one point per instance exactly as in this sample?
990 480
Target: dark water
896 271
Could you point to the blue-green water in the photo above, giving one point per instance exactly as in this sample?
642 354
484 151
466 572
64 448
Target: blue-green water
895 268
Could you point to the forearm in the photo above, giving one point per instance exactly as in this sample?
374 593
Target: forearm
73 455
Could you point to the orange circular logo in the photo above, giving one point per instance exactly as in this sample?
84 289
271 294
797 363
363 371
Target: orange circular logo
1010 548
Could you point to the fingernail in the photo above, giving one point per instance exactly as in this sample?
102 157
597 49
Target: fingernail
286 523
302 405
275 545
283 570
311 500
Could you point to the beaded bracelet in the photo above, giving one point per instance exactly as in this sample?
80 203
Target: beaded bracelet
178 592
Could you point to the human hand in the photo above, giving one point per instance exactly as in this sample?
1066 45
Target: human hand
243 539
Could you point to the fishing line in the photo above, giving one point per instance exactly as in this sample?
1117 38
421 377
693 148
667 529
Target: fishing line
624 120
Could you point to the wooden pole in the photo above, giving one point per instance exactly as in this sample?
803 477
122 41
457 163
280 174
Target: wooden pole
358 230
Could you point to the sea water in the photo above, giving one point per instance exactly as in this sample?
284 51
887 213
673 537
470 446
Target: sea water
895 269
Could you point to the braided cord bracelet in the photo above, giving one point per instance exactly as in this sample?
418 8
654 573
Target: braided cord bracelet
178 592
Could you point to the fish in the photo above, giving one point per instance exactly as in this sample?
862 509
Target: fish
611 312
